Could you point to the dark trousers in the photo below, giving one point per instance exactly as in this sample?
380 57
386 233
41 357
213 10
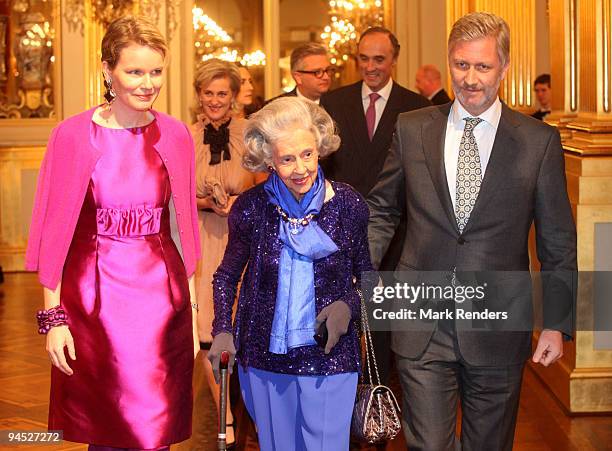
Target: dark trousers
434 384
382 339
382 350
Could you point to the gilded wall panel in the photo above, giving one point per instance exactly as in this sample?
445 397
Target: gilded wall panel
589 42
18 173
606 55
28 59
563 57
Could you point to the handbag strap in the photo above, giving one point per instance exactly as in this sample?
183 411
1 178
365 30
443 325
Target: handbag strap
369 346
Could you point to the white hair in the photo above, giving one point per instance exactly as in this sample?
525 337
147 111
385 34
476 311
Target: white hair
279 117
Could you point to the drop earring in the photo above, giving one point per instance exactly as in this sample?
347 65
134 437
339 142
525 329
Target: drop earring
110 94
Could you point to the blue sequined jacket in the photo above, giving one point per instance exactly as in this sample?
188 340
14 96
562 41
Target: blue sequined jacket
253 240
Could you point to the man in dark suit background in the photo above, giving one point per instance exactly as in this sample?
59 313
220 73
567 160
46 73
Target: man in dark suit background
473 177
365 113
428 82
365 144
311 71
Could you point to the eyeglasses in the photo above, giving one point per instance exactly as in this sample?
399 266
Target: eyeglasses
319 72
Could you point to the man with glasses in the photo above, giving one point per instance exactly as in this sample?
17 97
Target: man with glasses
366 112
311 70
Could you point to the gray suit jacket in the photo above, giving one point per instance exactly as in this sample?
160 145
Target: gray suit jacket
524 182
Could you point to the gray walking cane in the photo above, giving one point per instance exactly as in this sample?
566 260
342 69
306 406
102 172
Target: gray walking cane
221 442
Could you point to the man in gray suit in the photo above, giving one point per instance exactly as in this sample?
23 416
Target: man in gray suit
474 176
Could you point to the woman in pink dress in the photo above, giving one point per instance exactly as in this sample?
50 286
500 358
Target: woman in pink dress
121 333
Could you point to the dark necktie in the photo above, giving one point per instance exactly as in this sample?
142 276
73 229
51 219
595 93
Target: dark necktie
371 114
469 173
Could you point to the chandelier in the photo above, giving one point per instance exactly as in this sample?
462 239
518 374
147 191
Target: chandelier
348 19
106 11
212 41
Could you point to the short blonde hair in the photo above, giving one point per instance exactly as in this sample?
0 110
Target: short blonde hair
280 117
213 69
130 30
300 53
482 25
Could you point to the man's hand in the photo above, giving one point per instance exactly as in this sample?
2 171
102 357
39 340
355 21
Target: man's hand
549 348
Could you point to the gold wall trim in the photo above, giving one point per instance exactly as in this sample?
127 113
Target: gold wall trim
573 55
589 55
605 19
591 373
580 150
94 32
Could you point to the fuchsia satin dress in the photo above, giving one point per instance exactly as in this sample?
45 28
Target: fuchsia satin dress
125 290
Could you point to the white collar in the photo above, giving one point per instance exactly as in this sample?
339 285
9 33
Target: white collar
384 92
302 96
491 116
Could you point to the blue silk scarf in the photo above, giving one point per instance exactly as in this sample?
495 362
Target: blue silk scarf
295 313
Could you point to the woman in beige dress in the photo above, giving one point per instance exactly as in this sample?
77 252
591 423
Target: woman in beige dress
220 177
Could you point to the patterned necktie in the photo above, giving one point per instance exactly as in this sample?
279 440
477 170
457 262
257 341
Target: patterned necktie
371 114
469 173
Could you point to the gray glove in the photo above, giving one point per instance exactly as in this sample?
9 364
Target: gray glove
222 342
338 317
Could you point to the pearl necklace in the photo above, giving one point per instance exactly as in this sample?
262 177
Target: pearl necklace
295 224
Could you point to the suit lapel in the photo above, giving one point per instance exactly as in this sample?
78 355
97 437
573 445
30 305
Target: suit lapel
433 134
502 157
356 118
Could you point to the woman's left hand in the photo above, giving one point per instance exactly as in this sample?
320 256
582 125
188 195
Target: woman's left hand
338 317
224 211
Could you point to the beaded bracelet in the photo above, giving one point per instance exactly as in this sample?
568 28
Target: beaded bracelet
53 317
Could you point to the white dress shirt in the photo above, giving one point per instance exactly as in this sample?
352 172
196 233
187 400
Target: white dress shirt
484 133
380 104
301 96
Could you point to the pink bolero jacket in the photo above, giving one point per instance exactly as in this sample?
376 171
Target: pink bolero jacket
63 180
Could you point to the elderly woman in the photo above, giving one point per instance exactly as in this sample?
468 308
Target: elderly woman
304 240
118 297
219 179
